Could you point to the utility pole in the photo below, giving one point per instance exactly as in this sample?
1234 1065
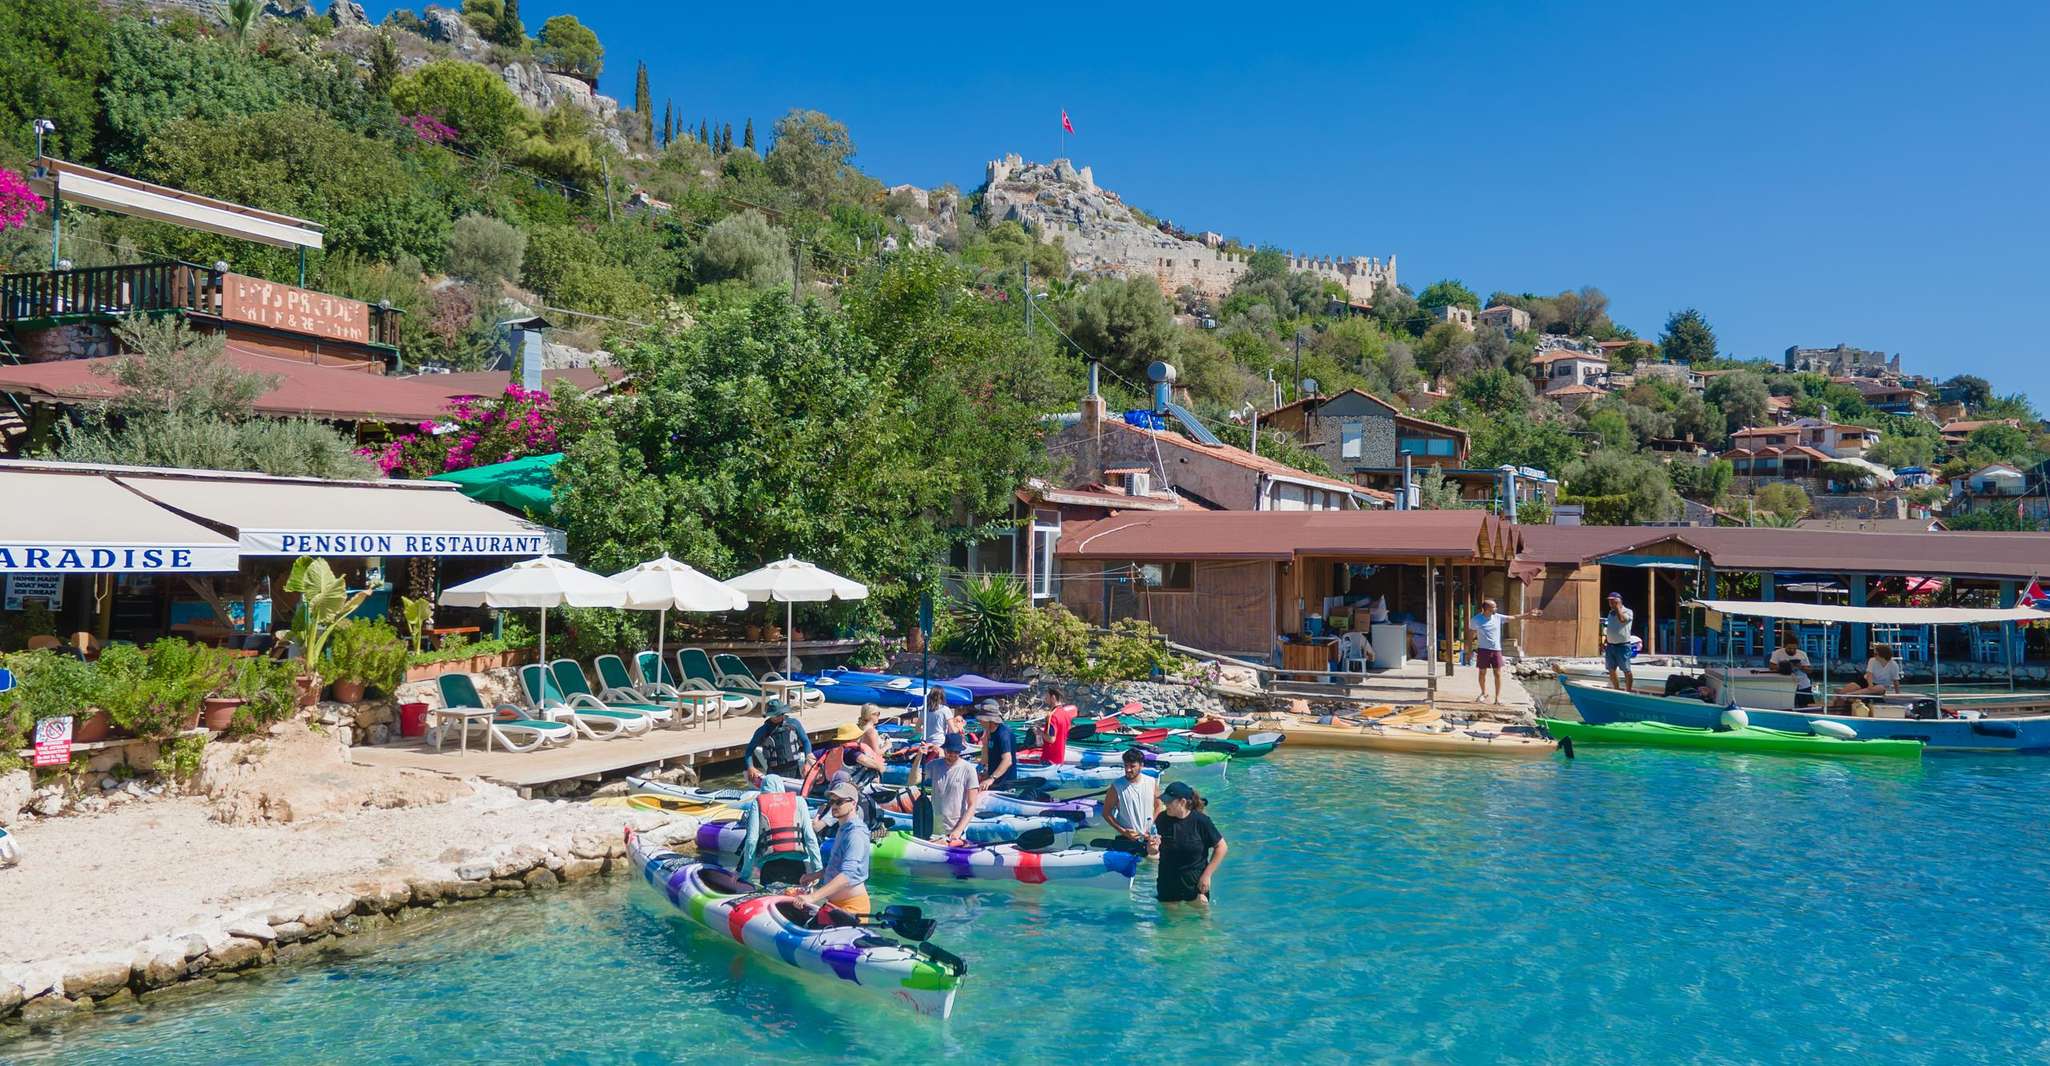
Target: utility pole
1299 363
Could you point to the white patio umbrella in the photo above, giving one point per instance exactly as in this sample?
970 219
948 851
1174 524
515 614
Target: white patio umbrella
665 584
793 581
544 582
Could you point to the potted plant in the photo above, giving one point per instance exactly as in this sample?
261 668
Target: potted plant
362 654
49 685
416 613
324 602
266 691
175 677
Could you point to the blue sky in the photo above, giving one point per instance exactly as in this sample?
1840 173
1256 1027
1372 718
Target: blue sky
1801 173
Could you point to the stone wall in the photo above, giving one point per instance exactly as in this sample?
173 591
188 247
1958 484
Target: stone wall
79 340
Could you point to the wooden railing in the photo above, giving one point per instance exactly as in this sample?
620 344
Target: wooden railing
139 287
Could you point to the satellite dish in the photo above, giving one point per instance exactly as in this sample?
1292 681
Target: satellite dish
1160 372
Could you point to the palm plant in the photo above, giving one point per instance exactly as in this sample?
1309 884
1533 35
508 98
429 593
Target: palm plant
987 614
324 602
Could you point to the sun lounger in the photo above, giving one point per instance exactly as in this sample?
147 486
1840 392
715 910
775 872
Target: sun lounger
576 688
619 685
731 670
653 670
592 719
509 726
697 666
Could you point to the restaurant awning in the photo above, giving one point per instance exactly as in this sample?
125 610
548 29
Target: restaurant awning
292 516
84 522
1907 616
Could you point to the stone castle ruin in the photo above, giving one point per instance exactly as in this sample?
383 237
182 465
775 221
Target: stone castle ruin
1103 236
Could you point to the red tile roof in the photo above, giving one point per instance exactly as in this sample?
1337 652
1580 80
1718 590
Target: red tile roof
1965 426
1288 534
1559 354
1239 457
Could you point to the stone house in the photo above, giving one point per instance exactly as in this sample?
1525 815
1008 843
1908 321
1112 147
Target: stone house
1510 320
1562 368
1455 314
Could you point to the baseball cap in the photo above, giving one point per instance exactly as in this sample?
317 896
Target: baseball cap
846 791
1615 595
954 743
1178 790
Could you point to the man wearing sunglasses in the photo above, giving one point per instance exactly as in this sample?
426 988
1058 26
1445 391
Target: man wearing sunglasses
843 882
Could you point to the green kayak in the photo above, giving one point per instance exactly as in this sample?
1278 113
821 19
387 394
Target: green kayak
1251 748
1750 738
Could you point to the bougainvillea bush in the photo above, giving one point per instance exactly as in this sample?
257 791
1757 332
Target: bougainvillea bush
479 431
17 201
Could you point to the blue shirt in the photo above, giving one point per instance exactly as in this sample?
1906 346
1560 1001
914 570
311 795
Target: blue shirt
849 857
761 733
1000 742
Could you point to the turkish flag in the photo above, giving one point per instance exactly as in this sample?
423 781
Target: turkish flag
1065 124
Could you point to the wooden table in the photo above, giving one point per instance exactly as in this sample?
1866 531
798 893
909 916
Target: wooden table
697 706
464 716
785 691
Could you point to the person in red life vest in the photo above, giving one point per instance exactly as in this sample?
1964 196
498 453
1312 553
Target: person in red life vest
1060 718
779 840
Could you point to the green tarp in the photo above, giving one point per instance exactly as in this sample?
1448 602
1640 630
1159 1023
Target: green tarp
524 484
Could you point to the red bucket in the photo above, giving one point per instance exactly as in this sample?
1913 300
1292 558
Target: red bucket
412 719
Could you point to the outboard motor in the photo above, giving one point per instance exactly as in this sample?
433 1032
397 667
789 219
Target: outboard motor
1922 707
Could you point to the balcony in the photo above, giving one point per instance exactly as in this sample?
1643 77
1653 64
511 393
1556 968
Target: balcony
218 297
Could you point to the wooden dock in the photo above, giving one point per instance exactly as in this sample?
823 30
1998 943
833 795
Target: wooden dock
590 760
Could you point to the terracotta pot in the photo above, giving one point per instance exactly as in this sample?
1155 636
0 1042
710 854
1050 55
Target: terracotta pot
914 640
349 691
91 728
218 713
309 689
754 632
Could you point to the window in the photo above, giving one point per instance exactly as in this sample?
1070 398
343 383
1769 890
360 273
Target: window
1167 577
1044 537
1349 438
1427 446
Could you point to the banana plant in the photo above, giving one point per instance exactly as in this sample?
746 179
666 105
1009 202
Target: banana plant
417 613
324 600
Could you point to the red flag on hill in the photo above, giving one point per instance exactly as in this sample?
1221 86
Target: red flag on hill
1065 124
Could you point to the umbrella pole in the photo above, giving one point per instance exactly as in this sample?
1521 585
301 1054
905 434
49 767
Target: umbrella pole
661 631
789 638
544 638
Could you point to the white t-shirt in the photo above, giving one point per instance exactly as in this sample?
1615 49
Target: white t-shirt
1377 613
950 787
1882 672
1134 801
1780 655
1488 628
1616 625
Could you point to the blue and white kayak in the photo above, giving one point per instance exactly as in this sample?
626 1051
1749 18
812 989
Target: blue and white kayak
1601 705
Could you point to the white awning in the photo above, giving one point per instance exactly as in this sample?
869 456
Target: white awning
86 523
1906 616
108 191
272 516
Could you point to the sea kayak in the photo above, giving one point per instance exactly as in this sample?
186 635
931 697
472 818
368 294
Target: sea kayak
1002 828
908 856
998 819
856 692
1417 740
1085 756
1250 748
957 695
1749 738
779 930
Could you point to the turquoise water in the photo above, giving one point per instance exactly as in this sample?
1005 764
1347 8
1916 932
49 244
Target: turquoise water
1624 907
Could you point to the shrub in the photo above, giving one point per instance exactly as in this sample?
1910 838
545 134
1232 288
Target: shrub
744 247
47 685
1058 642
180 757
485 250
988 615
156 693
588 632
269 690
367 652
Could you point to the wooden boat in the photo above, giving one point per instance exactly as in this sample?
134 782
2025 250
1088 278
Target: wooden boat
1420 739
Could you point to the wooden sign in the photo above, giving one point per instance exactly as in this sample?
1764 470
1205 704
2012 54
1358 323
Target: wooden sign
268 303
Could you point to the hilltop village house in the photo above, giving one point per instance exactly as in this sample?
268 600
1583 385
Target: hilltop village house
1364 438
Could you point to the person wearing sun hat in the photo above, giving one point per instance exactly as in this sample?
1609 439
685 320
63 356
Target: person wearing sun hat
1191 848
779 746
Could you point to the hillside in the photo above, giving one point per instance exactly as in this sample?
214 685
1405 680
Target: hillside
466 170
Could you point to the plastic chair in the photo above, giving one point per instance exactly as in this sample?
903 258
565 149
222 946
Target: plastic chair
1913 643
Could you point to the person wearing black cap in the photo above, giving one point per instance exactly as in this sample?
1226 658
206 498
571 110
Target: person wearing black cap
779 746
1191 848
999 748
843 881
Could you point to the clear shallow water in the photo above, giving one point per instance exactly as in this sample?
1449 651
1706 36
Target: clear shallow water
1625 907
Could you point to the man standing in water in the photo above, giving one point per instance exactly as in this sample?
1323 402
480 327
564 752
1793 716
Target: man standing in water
1486 628
1615 643
1131 804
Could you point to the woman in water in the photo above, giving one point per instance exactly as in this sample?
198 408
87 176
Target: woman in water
1191 848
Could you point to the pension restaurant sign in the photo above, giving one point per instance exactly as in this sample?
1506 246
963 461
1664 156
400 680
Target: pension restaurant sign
357 542
287 307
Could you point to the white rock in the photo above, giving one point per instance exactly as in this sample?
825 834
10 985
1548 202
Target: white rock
474 871
252 928
16 788
49 804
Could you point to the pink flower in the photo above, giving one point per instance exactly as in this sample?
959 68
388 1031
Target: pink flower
17 201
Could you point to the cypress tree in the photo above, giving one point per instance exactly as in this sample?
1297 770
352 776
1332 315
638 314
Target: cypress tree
747 139
668 122
510 31
726 138
644 105
704 133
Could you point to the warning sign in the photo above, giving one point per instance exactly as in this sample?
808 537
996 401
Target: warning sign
53 741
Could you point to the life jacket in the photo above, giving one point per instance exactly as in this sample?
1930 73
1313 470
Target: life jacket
782 749
779 833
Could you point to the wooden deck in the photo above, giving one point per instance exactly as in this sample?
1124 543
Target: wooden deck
586 759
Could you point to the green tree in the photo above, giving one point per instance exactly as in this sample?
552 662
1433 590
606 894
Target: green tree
747 139
1687 338
811 157
1742 397
2000 443
1703 482
1783 498
668 121
52 55
1544 445
486 115
1973 391
644 104
726 138
704 133
1125 322
485 250
1900 451
1496 392
1641 484
241 16
570 47
1448 293
176 369
384 61
497 20
745 247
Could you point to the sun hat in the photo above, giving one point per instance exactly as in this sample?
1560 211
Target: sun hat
989 709
954 743
850 731
774 708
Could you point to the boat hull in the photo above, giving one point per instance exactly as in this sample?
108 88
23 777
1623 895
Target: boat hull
907 856
1600 705
1751 740
1416 741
